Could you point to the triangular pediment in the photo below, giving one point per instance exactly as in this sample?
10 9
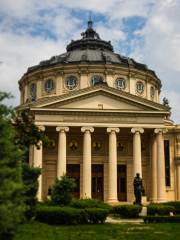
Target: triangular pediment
104 98
98 101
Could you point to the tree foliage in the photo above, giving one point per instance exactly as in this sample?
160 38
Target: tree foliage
11 187
62 190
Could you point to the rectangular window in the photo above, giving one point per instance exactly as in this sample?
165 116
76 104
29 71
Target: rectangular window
167 163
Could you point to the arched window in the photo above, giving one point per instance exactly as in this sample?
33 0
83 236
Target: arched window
33 90
96 79
140 87
71 82
120 83
49 85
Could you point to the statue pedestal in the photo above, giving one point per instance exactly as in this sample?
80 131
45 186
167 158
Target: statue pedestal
143 212
144 200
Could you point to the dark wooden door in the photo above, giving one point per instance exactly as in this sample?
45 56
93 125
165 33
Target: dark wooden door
121 183
98 181
73 171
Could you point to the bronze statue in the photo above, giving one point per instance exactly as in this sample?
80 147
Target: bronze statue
138 189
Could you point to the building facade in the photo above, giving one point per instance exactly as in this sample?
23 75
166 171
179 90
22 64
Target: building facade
103 114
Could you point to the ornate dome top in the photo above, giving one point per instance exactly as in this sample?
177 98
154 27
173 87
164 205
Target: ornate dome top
90 39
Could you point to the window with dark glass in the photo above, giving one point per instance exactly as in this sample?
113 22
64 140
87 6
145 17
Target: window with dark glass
71 82
139 87
49 85
96 79
152 91
167 162
120 84
33 91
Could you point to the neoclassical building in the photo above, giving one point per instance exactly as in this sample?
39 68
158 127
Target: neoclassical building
104 116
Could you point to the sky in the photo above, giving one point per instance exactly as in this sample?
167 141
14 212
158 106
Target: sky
146 30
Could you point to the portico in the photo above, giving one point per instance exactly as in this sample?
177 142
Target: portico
100 152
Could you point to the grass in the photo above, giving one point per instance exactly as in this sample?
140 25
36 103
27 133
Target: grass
40 231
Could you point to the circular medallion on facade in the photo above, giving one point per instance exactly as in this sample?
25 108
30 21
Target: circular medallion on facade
97 145
120 147
49 85
73 145
71 82
152 92
96 79
120 83
33 90
139 87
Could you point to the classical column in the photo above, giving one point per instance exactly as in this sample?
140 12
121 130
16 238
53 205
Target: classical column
154 170
161 186
86 185
61 161
177 159
112 165
137 162
38 161
178 180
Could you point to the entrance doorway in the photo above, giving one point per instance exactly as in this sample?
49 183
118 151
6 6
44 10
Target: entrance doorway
98 181
73 171
121 183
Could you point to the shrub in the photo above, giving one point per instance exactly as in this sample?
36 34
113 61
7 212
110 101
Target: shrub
162 219
96 215
90 203
68 215
127 211
175 204
62 190
30 181
61 215
159 209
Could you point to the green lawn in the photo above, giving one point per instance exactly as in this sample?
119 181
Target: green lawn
40 231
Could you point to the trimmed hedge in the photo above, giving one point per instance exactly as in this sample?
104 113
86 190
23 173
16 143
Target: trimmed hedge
175 204
159 209
61 215
96 215
90 203
127 211
162 219
68 215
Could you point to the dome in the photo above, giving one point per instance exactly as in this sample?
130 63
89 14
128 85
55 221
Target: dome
91 49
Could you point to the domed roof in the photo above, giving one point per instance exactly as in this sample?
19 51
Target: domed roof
90 49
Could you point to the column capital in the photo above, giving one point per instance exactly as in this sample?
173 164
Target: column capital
160 130
137 130
41 128
90 129
116 130
62 129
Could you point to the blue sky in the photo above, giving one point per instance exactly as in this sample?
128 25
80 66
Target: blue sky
147 30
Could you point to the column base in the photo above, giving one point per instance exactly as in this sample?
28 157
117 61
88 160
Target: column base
112 201
161 200
153 200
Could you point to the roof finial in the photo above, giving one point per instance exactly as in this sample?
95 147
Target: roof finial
90 22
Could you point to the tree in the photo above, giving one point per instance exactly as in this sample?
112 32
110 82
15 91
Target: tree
11 187
27 134
62 190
